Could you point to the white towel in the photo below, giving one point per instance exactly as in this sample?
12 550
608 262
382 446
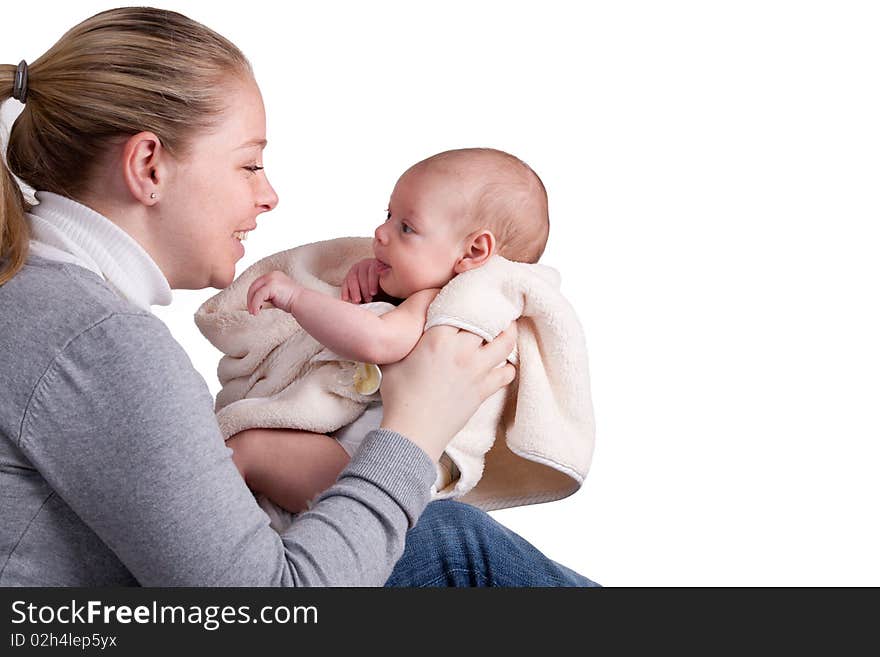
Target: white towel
531 442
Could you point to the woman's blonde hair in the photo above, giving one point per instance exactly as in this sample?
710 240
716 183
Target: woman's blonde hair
115 74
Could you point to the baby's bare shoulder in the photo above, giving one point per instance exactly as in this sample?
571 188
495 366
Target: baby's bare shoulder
420 300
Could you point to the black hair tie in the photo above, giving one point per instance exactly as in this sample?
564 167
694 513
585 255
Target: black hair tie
19 87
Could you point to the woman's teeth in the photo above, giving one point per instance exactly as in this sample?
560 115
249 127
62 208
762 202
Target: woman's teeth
240 235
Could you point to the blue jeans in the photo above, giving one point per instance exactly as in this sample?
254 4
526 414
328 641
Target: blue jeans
456 544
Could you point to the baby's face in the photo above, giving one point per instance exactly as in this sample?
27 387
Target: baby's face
422 237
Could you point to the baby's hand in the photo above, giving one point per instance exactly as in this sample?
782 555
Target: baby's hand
275 287
362 281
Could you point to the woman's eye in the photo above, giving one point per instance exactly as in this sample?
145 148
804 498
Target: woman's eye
253 168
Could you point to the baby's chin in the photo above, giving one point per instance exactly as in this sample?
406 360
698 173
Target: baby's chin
388 288
390 293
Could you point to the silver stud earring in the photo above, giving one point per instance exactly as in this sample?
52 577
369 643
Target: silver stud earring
153 195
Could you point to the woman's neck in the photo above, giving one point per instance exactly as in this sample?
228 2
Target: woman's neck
65 230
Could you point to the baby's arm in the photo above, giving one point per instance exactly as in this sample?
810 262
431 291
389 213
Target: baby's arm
348 330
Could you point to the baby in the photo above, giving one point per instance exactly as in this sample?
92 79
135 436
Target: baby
447 215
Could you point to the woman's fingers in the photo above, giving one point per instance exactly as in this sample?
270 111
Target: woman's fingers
495 351
499 349
498 378
441 332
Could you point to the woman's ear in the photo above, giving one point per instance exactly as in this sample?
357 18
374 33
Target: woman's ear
479 247
142 160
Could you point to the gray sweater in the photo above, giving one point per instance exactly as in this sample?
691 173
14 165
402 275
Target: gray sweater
113 470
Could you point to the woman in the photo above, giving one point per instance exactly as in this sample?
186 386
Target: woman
143 133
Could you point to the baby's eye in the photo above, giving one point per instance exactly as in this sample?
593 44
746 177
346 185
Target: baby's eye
406 228
388 215
253 168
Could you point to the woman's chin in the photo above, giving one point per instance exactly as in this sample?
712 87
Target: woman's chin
223 279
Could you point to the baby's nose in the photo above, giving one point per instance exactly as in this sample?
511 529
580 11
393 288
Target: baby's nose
380 234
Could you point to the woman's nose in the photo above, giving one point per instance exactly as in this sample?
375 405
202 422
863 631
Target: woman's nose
267 198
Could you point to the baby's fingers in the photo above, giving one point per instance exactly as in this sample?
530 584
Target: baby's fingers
354 292
364 281
255 300
253 291
347 285
374 277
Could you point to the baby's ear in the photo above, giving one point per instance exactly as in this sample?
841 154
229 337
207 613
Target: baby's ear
479 247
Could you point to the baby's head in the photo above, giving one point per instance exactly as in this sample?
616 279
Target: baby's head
450 213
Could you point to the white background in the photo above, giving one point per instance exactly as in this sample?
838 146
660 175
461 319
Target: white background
712 170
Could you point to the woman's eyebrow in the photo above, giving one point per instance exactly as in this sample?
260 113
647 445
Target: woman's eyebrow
253 142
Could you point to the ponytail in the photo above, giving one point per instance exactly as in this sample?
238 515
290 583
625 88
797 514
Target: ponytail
13 228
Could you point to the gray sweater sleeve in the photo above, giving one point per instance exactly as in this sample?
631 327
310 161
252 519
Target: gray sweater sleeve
122 427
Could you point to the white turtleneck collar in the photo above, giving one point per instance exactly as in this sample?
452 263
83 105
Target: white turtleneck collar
67 231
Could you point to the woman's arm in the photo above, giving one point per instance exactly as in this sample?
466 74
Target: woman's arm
349 330
122 427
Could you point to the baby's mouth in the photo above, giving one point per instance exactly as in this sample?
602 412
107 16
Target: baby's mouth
383 266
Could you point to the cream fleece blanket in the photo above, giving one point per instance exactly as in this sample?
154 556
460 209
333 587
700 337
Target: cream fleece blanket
531 442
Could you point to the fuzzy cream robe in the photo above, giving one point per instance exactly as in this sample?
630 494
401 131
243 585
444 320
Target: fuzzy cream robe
531 442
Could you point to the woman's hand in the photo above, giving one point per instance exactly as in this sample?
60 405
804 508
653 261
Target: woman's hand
432 393
362 281
275 287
